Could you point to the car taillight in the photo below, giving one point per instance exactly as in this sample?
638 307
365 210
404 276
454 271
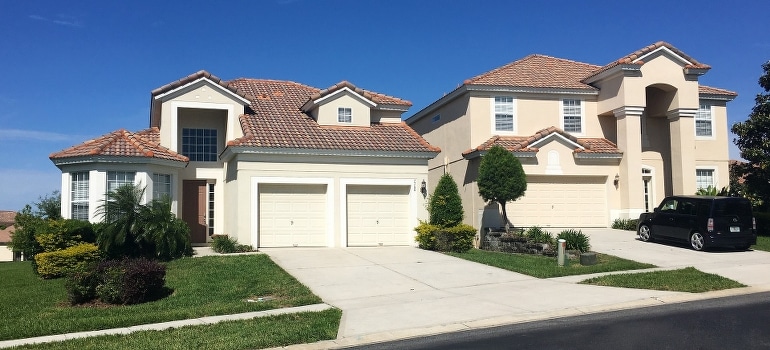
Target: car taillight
710 225
754 223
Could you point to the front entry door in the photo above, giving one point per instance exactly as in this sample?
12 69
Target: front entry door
194 209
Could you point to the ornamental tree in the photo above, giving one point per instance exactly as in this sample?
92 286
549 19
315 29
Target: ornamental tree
501 178
752 141
446 206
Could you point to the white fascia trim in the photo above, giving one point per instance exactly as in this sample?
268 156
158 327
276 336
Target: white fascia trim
477 154
344 182
532 90
175 105
204 79
324 152
343 90
389 107
118 160
257 180
628 110
582 155
557 135
716 97
665 49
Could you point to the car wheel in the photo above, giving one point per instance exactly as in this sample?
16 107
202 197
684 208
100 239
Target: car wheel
645 233
697 241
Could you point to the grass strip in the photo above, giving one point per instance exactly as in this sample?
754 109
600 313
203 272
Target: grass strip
205 286
763 243
688 279
547 267
258 333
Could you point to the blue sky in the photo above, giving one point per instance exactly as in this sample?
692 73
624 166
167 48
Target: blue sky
74 70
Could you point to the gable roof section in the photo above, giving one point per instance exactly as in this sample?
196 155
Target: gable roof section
121 143
375 97
276 121
538 71
198 75
526 146
636 58
716 93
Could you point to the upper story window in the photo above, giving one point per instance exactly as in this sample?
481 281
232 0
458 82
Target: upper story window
504 113
344 115
79 195
200 145
704 121
704 178
116 179
161 186
572 116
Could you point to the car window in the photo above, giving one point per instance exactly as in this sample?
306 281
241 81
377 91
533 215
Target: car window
669 205
686 207
732 207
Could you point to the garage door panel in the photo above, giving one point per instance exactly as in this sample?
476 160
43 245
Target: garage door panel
561 202
378 215
292 215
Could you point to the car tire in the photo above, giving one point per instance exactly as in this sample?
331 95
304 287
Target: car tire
697 241
645 233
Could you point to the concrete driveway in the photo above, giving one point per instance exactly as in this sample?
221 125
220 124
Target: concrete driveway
397 292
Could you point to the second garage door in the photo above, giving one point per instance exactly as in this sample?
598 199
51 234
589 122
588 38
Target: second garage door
292 215
378 215
561 201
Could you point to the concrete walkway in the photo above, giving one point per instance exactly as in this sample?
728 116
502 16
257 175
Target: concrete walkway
389 293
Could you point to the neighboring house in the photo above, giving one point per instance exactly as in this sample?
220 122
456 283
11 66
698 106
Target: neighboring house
271 163
7 219
596 142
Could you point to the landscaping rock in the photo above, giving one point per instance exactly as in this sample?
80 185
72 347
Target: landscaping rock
588 258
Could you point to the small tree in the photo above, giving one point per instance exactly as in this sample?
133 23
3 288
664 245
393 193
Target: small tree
446 206
49 206
752 142
501 178
121 211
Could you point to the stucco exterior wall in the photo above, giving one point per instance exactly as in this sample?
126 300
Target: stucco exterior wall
327 110
6 254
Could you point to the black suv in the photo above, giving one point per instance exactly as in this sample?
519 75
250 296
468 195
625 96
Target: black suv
704 221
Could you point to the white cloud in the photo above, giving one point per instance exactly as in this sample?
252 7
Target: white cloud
61 19
16 134
26 186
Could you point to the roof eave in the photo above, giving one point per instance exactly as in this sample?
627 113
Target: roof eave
584 155
534 90
626 69
717 97
59 162
459 91
161 96
233 150
479 153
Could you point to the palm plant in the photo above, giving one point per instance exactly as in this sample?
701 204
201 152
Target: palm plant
121 230
168 236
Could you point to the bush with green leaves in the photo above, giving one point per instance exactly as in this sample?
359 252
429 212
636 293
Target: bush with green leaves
536 234
575 240
60 262
426 235
130 281
81 284
224 244
457 239
61 234
501 178
445 206
625 224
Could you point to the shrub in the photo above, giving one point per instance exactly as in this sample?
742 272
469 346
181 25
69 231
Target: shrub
536 234
224 244
164 235
130 281
61 234
763 223
60 262
576 240
458 239
446 206
81 285
426 235
625 224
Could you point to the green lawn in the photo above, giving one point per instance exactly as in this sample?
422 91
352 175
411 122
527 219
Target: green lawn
203 286
763 243
546 267
273 331
683 280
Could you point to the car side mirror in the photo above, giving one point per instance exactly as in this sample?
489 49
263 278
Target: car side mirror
656 210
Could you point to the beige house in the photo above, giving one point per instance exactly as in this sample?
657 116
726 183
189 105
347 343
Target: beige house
597 142
271 163
7 219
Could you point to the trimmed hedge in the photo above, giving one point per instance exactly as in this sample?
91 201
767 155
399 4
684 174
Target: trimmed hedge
426 235
62 234
126 282
456 239
60 262
625 224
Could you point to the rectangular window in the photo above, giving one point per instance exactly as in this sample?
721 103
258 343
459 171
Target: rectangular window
161 186
210 207
703 121
79 196
704 178
116 179
573 116
200 145
344 115
503 113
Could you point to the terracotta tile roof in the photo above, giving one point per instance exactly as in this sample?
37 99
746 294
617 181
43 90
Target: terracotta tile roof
591 145
708 90
276 121
122 143
538 71
374 96
7 217
198 75
5 235
630 58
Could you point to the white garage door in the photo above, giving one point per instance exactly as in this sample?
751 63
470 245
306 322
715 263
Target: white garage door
561 201
292 215
378 215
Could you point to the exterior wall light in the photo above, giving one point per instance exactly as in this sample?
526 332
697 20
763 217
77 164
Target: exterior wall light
617 179
424 188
